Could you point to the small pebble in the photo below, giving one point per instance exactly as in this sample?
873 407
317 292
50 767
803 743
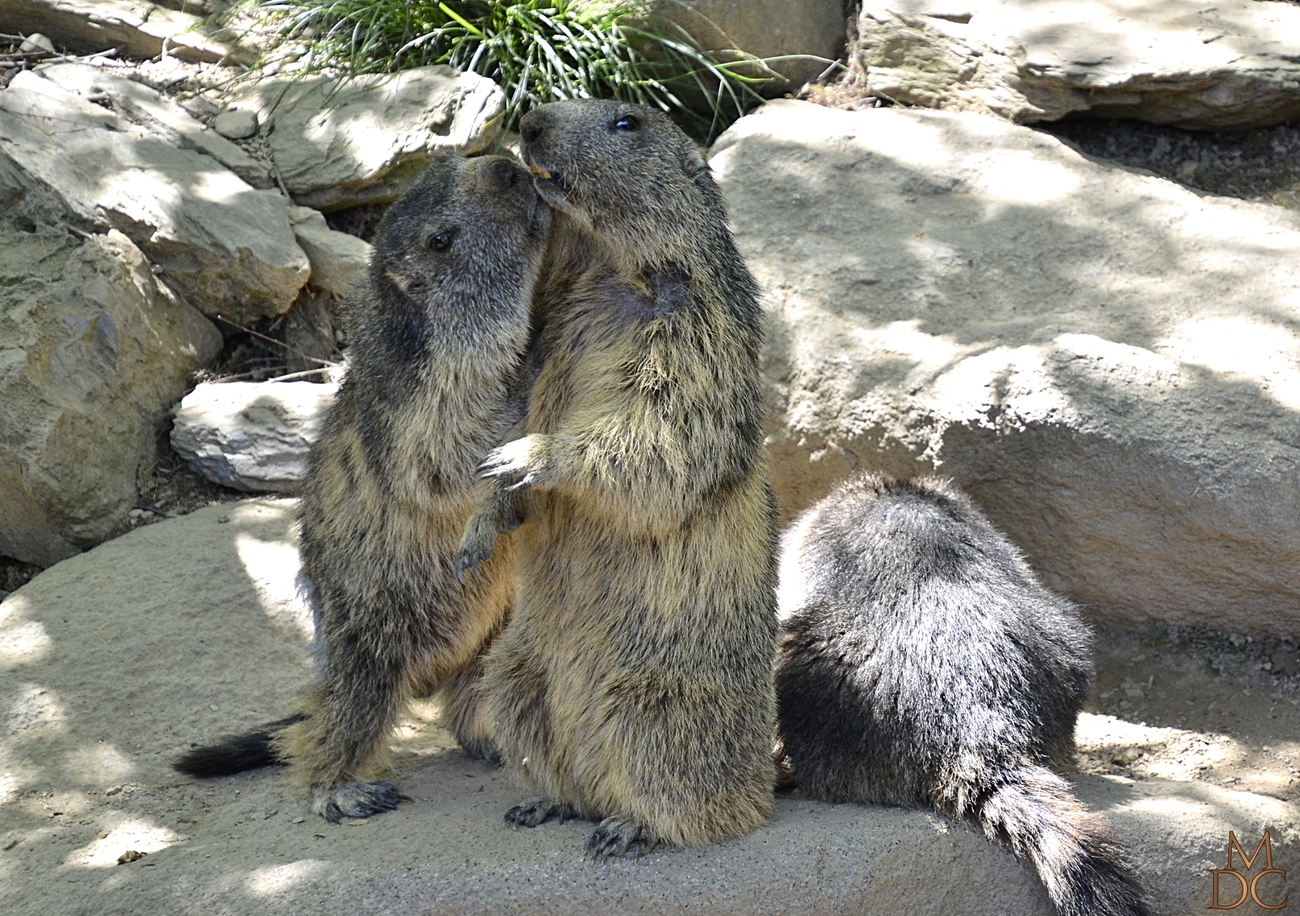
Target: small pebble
37 42
236 123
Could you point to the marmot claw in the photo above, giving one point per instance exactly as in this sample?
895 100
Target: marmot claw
616 836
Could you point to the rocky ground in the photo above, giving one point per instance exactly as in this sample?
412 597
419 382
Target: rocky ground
1261 165
115 661
1196 705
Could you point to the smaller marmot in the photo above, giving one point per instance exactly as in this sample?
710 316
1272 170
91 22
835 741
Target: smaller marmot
437 378
634 682
922 664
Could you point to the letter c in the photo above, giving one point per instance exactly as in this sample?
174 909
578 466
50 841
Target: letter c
1254 896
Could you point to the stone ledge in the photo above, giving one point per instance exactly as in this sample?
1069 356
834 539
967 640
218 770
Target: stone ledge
113 661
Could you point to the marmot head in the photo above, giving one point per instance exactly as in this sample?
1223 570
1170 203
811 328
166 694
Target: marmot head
458 254
627 173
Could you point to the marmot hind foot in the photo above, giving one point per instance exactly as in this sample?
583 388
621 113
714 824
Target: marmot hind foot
617 836
537 811
356 799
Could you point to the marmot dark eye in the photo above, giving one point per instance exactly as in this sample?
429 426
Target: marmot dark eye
627 122
440 241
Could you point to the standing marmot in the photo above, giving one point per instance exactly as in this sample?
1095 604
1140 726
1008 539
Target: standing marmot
923 664
634 681
436 380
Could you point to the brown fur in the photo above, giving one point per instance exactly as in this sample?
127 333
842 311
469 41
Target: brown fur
634 682
436 380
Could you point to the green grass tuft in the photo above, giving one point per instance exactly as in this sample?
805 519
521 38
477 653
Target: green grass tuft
536 50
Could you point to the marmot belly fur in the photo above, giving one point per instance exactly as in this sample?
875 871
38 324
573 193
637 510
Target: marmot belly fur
922 664
436 380
634 681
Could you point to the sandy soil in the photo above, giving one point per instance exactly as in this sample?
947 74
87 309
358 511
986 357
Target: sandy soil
1196 705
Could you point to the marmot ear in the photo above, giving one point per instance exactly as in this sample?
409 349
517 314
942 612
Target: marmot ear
693 161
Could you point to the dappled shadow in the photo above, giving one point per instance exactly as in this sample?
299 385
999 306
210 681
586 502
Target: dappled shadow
228 247
113 661
1110 363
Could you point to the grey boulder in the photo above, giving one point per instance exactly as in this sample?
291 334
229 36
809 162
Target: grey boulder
94 351
338 261
1214 64
811 32
252 436
342 142
1108 362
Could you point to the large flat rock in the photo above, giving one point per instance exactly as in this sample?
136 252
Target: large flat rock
113 661
227 247
1109 363
152 111
1219 64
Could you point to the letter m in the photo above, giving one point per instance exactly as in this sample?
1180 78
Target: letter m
1266 844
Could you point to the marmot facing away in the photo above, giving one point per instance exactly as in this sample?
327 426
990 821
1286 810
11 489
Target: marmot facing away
439 334
922 664
634 681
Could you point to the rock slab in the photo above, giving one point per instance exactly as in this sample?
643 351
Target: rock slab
93 349
252 436
357 140
150 110
115 661
1109 363
1211 64
141 29
226 246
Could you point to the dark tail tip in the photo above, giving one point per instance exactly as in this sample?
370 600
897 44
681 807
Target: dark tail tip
1086 871
235 753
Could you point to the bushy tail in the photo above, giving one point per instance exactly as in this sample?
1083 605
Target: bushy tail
236 753
1086 871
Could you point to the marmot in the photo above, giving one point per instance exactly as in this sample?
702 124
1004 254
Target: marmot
634 682
436 379
922 664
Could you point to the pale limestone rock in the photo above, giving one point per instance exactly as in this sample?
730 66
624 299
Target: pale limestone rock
37 42
236 124
252 436
140 28
1108 362
1214 64
338 261
227 247
343 142
200 621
